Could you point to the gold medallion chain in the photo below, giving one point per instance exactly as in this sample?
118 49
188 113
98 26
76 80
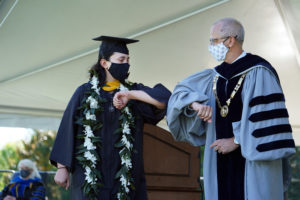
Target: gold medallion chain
225 109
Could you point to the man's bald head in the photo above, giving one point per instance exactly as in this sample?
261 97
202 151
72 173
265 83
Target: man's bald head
229 27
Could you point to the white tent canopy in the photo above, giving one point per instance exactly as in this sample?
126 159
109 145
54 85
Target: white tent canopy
46 47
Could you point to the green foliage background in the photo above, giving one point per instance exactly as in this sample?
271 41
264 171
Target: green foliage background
37 149
294 189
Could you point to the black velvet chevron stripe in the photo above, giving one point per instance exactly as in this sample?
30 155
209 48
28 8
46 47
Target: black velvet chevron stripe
266 115
266 99
275 145
272 130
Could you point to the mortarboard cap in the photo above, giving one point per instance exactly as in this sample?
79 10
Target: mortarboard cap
113 44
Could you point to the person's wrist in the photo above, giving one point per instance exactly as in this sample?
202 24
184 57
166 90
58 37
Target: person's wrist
235 141
62 169
60 165
192 105
129 94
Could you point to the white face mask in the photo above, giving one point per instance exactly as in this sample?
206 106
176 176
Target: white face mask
218 51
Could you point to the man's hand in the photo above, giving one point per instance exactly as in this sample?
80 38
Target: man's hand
224 146
62 178
121 99
203 111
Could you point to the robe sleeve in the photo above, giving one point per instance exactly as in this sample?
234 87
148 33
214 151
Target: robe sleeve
150 113
264 131
183 122
63 148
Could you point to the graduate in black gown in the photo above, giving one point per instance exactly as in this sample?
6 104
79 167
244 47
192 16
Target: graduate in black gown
99 145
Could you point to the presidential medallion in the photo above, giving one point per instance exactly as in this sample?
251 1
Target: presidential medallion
224 111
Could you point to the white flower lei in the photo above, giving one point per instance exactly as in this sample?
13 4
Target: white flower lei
90 157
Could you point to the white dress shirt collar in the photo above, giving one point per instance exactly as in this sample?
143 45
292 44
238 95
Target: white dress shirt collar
243 54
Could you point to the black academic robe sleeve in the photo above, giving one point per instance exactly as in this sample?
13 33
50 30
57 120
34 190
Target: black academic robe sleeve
150 113
63 148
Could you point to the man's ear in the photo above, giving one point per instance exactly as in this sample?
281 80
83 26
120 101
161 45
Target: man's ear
103 63
232 41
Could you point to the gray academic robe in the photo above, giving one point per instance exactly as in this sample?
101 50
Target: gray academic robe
264 148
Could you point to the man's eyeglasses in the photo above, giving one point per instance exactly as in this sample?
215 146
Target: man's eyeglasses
215 40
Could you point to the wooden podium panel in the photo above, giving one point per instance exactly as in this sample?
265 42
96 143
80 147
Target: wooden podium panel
172 168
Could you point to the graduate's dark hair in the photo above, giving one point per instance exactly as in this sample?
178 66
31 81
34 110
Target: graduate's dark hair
97 68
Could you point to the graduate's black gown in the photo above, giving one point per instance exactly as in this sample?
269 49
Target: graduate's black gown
65 144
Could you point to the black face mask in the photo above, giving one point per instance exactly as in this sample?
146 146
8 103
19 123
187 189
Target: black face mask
24 173
119 71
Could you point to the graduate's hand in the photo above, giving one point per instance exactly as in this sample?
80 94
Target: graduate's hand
224 146
62 178
203 111
121 99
